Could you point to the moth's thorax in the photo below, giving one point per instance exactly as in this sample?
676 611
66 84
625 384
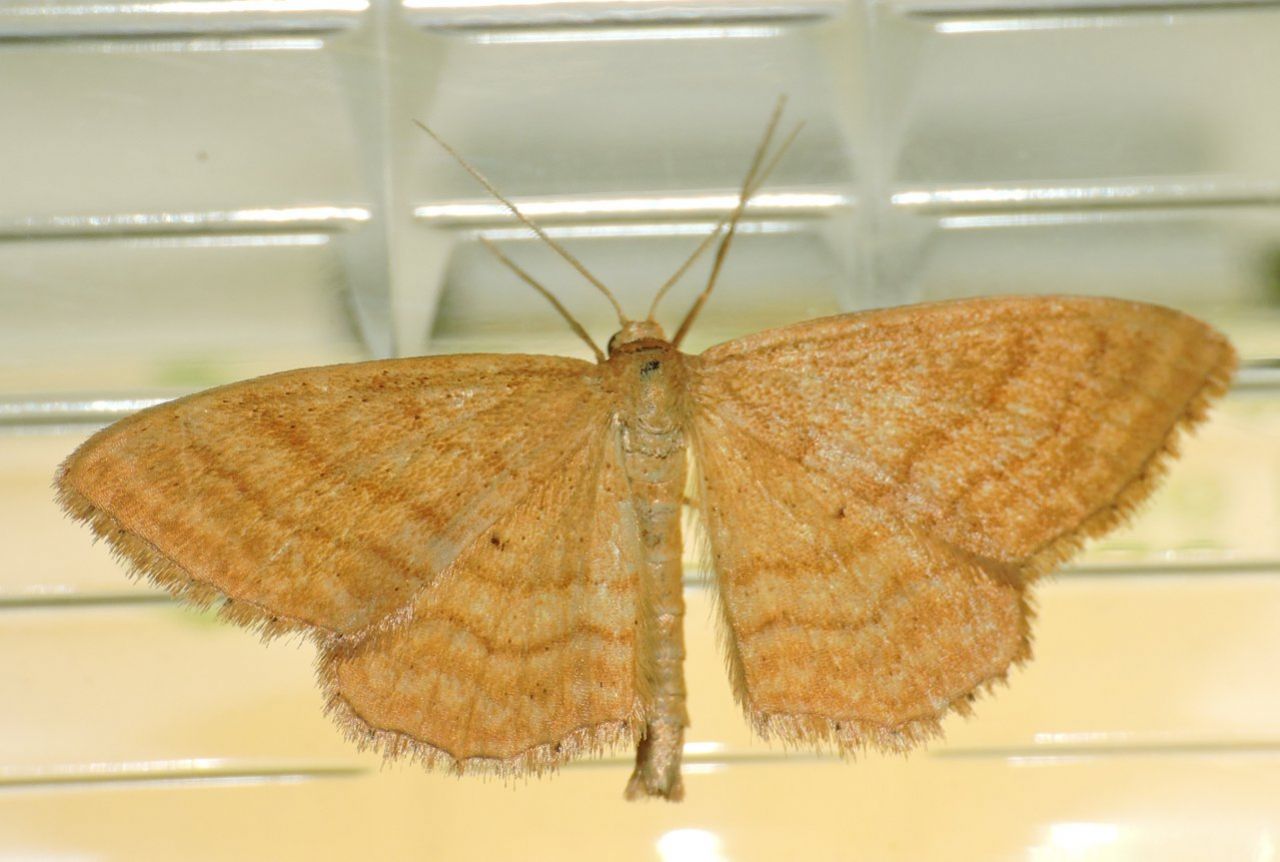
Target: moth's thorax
650 380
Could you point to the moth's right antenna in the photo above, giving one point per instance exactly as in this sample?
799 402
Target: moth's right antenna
528 222
748 194
733 221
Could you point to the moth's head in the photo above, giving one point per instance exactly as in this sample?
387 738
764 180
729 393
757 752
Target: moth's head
635 331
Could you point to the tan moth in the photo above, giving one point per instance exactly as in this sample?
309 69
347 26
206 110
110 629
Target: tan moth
487 551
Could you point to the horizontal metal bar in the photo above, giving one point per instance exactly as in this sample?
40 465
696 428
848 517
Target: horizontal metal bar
952 9
1122 746
640 207
655 32
161 224
958 206
1261 377
171 43
1154 194
697 580
1047 753
95 411
697 756
967 17
694 580
485 15
41 411
695 228
1173 566
195 770
36 21
64 600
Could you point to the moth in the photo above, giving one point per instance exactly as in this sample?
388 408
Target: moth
487 551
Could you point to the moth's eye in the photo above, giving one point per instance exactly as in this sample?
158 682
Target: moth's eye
613 342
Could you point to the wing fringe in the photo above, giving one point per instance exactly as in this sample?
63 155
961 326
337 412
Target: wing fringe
1128 502
145 562
596 740
849 737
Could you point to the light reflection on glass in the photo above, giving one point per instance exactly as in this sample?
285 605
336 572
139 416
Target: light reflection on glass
32 410
210 45
690 845
1005 196
145 44
622 207
1044 219
1012 25
694 749
624 34
701 12
1076 842
489 4
1168 194
286 214
188 7
234 240
60 416
1083 836
201 771
54 772
610 231
1081 738
183 221
1266 847
702 768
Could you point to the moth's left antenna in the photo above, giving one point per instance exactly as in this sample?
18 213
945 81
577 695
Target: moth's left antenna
528 222
532 282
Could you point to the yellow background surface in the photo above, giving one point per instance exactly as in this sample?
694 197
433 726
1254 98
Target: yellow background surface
197 192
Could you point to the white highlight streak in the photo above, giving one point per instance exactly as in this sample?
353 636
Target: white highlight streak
690 845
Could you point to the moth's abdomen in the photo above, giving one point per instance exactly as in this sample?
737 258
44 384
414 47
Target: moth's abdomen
653 443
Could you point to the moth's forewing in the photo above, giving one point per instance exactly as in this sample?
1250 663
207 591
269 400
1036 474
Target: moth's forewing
392 509
909 471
